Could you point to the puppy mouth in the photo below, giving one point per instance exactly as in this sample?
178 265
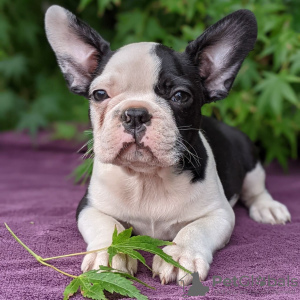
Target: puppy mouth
136 154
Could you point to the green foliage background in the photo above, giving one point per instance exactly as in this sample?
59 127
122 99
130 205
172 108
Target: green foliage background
264 101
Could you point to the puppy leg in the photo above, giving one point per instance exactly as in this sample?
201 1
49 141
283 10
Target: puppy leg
194 247
262 207
97 229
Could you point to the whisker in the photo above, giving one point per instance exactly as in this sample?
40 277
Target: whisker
197 129
195 156
190 154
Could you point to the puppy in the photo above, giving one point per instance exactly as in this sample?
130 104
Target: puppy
160 166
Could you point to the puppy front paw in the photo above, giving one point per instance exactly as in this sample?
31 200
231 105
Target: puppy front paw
121 262
191 260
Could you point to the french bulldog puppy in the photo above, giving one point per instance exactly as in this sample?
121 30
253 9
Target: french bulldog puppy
160 166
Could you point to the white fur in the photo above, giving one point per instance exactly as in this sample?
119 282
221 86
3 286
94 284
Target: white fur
163 205
234 199
97 229
128 78
66 43
134 182
135 189
262 207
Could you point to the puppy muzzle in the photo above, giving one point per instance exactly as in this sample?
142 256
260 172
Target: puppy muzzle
135 122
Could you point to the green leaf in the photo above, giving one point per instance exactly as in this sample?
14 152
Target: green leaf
295 63
191 33
9 102
123 243
72 288
64 131
83 4
93 284
106 4
83 172
14 67
248 74
105 268
288 93
275 88
32 121
122 236
119 238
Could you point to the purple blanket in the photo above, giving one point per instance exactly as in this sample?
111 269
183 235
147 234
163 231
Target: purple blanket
38 202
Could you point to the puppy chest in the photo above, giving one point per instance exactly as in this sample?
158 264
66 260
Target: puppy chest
157 214
153 205
165 230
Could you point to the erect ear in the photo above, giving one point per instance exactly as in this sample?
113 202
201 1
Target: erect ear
220 51
78 48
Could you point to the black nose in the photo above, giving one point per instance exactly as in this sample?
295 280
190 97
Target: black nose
134 118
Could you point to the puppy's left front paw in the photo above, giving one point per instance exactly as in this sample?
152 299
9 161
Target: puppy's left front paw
191 260
120 261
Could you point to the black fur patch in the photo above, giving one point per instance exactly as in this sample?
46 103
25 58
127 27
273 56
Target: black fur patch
82 204
236 34
234 153
178 73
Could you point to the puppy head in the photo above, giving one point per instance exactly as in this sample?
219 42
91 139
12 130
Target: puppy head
145 98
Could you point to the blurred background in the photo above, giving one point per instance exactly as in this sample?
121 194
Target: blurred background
264 101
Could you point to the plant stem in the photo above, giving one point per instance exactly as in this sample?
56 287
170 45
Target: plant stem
22 244
37 257
56 269
74 254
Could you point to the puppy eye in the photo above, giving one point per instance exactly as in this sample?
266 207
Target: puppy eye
100 95
180 97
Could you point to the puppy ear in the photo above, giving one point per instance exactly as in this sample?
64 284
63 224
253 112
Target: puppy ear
220 51
78 48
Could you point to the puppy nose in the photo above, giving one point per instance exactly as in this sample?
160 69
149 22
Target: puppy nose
134 118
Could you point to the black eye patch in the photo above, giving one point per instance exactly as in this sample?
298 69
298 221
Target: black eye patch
180 97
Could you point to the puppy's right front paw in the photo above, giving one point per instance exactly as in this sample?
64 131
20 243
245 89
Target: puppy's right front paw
121 262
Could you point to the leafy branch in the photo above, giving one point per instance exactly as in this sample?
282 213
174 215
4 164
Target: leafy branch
93 283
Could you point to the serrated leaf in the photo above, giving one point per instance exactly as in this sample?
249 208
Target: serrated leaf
289 93
93 285
83 172
275 88
146 246
122 236
92 290
122 243
105 268
72 288
134 254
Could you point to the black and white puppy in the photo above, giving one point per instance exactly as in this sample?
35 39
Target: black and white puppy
159 165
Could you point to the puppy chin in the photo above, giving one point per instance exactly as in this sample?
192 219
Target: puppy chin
136 157
133 157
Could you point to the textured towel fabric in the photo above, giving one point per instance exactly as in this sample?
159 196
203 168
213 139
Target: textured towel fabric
39 203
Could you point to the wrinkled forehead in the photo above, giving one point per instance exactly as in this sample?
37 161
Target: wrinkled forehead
135 66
